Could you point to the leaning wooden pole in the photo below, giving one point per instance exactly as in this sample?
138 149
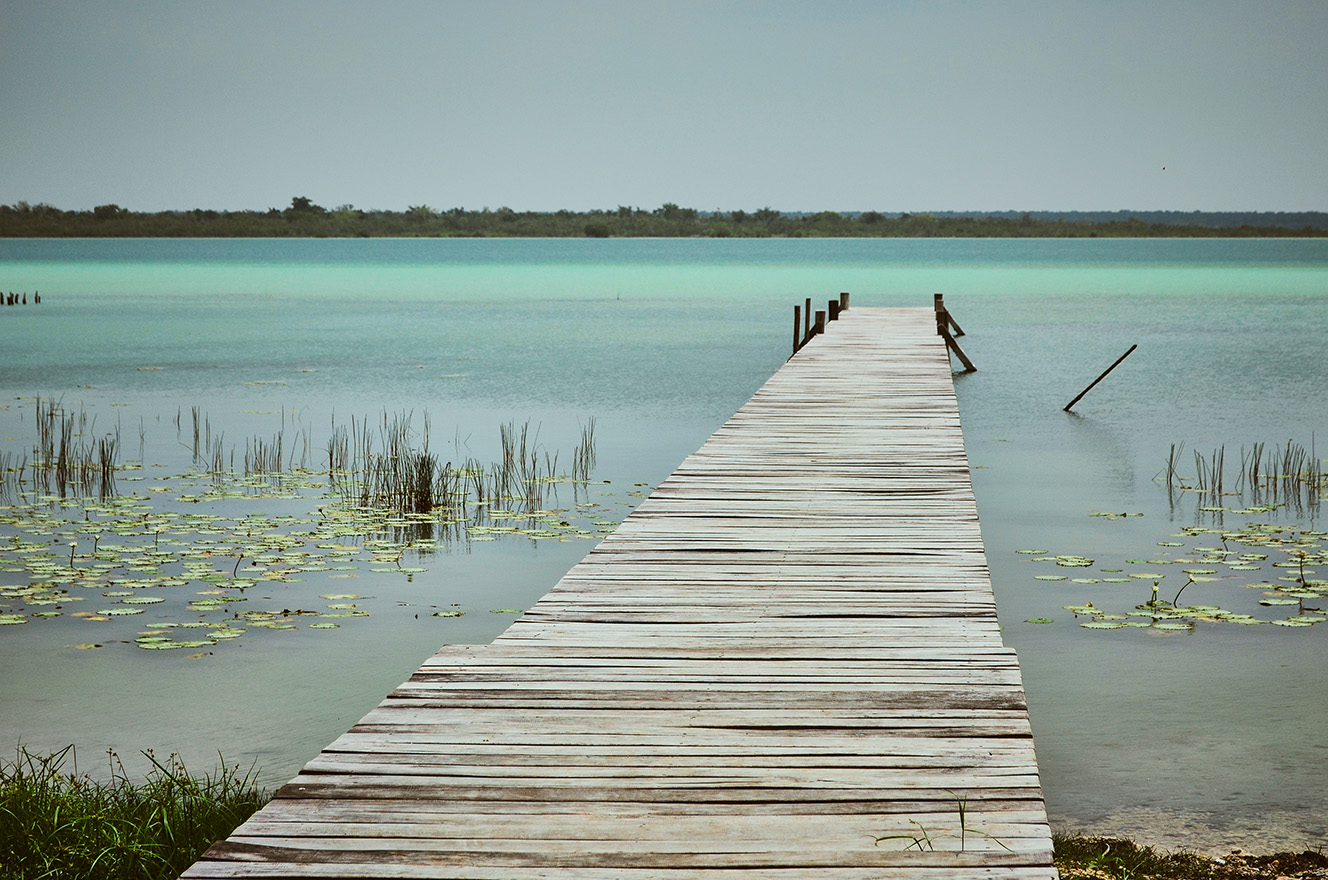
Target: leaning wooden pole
1100 378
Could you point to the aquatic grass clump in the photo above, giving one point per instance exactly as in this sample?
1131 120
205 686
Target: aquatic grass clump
65 464
1280 475
394 470
55 822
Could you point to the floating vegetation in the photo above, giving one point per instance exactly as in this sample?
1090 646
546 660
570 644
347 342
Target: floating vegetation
1302 597
1279 560
198 563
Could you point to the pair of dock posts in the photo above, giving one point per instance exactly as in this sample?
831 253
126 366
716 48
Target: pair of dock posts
785 663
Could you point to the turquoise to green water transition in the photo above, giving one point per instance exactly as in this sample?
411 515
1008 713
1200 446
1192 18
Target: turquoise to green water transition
659 342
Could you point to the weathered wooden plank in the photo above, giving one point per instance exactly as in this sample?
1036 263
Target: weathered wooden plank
788 651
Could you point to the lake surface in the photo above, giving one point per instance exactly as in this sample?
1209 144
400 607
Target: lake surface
1207 735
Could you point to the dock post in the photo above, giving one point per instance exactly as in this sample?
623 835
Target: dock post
943 325
940 307
832 310
797 327
807 320
843 301
819 326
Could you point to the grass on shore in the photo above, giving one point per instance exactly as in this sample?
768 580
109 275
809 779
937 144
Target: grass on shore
1084 857
55 823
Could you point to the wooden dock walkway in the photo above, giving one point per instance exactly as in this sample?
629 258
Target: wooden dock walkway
788 651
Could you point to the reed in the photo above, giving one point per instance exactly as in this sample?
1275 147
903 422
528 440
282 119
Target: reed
108 450
264 457
12 470
583 458
55 822
215 460
64 462
1290 474
338 452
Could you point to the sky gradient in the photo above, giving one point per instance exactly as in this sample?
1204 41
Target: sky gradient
800 106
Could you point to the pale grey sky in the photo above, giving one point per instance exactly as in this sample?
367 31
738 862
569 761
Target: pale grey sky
818 105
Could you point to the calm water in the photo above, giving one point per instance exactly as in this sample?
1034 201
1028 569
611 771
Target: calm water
1204 737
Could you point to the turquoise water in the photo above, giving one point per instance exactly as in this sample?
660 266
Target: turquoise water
659 342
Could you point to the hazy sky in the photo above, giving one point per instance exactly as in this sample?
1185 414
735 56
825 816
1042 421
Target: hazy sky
818 105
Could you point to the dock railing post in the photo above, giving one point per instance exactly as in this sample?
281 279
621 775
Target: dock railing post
805 326
943 324
953 324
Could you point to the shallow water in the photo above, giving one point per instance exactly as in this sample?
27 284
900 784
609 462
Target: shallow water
660 341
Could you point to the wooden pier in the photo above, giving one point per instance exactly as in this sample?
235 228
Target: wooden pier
784 664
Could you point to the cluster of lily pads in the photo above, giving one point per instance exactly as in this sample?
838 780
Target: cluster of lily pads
1280 562
192 560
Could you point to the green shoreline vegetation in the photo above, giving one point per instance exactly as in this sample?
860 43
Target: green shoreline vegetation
57 823
60 824
304 219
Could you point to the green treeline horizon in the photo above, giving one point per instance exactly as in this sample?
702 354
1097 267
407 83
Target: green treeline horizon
304 219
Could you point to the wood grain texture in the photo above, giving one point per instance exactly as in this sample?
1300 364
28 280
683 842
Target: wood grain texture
784 664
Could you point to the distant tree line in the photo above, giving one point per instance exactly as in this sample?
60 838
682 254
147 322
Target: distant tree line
304 219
